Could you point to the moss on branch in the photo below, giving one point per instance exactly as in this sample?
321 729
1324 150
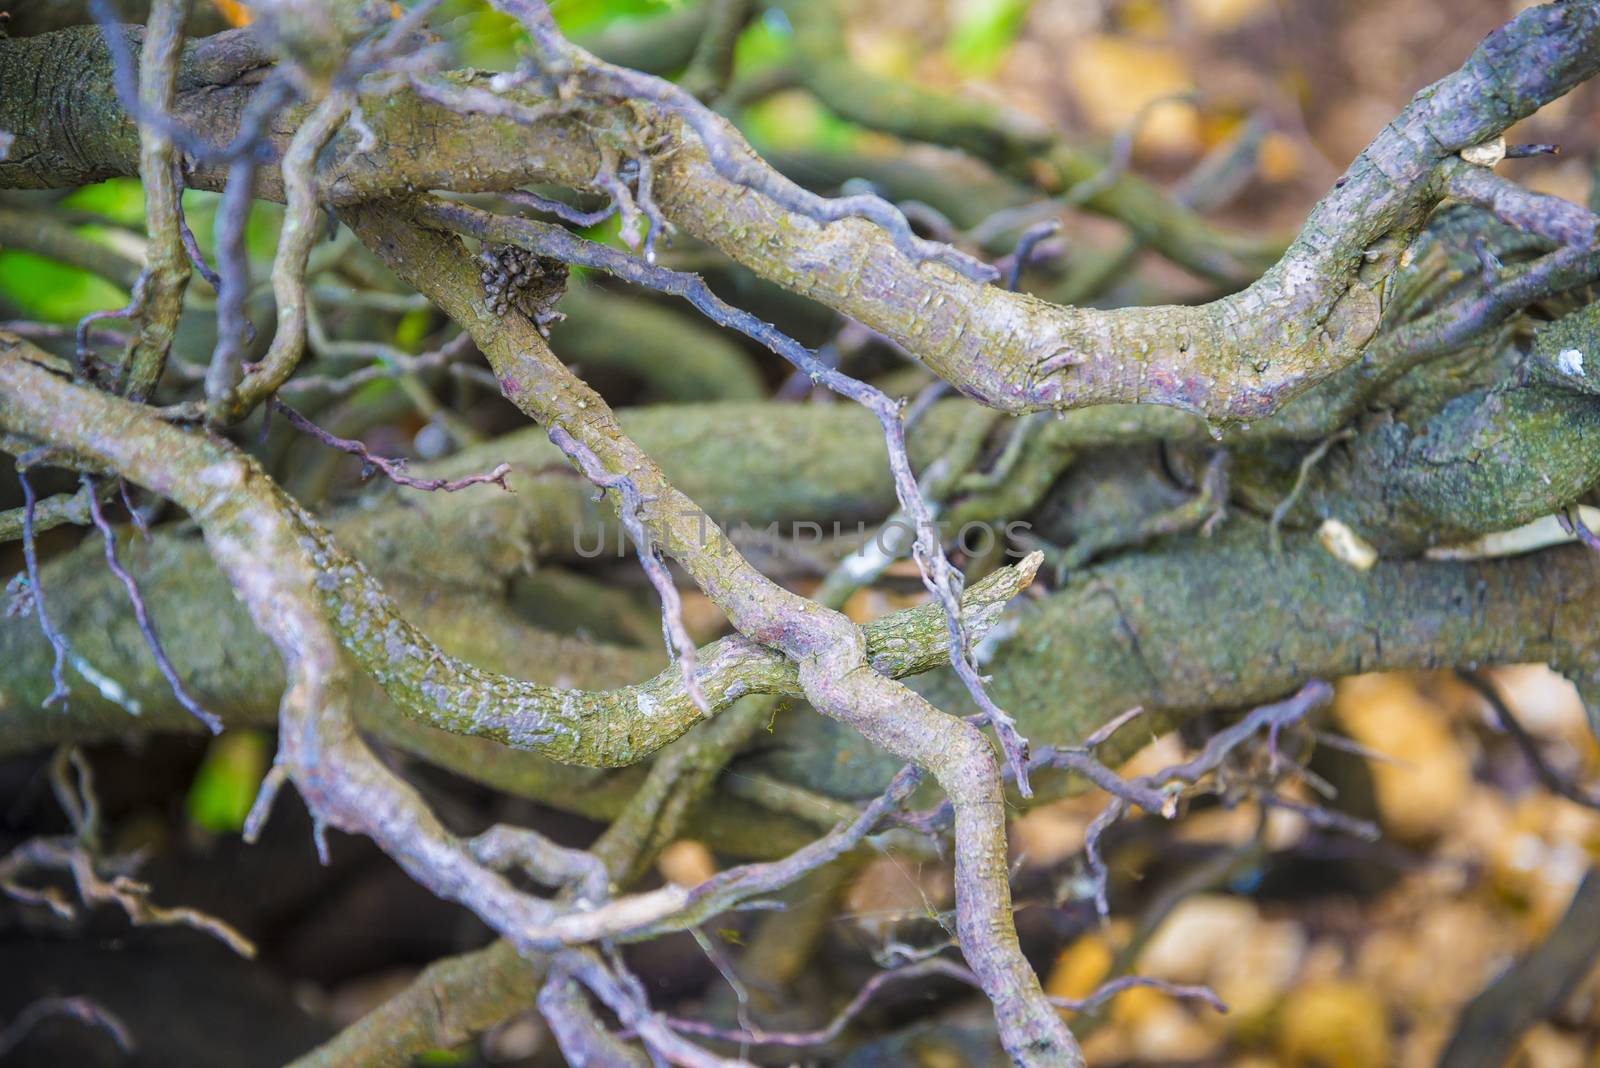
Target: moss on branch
569 723
1240 358
1224 624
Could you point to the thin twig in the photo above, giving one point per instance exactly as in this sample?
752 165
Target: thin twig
132 897
166 272
83 1009
1553 780
679 644
930 967
1272 718
191 247
142 614
30 557
393 470
565 212
729 158
231 394
940 578
1022 255
821 1036
1307 464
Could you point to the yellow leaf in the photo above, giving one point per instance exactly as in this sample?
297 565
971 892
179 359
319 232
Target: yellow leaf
686 863
1080 967
1425 780
236 13
1257 971
1279 158
1333 1024
1132 1007
1220 16
1114 79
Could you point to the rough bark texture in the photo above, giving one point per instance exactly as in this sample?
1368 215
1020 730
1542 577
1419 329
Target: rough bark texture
1423 376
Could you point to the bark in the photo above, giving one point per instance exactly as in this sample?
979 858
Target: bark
1240 358
1179 631
1487 438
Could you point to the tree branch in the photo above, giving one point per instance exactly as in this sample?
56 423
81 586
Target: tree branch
1239 358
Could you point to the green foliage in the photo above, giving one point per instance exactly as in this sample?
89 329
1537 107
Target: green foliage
46 291
488 40
120 200
227 780
412 329
482 37
796 122
766 42
261 232
791 121
587 16
983 32
51 292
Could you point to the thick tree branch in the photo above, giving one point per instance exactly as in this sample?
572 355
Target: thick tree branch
664 159
1185 605
828 653
268 549
166 274
1239 358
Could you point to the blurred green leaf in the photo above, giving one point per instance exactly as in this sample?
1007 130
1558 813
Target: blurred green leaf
483 37
488 40
261 232
200 212
119 199
795 121
587 16
984 30
791 121
227 780
48 291
412 328
52 292
766 42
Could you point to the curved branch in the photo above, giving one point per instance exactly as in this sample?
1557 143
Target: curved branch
166 274
609 728
1238 358
828 651
267 547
